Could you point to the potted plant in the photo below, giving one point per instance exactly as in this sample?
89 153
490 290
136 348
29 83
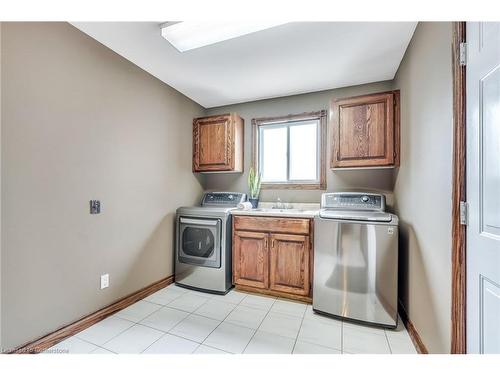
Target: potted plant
254 182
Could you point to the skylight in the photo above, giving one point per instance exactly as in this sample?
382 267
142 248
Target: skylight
188 35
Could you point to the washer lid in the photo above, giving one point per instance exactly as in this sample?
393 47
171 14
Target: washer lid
356 215
205 211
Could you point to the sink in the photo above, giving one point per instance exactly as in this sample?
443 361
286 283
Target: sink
302 210
291 210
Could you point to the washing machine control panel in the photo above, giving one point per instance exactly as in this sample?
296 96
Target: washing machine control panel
230 199
353 201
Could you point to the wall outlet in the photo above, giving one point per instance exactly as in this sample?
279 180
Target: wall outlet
104 281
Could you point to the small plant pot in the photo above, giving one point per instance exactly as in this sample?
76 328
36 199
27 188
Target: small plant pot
254 202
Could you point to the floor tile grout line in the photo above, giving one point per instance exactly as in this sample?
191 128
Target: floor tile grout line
291 316
257 329
321 345
300 327
164 334
388 342
205 339
168 332
213 347
342 337
147 316
226 322
265 316
189 314
335 322
192 313
115 336
161 304
228 303
181 337
98 346
202 343
139 323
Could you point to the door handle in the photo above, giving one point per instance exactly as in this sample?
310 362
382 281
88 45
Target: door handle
198 221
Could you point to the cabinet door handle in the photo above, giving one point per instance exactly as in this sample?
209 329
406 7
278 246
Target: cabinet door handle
272 242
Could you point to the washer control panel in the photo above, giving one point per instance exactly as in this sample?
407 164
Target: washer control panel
229 199
353 201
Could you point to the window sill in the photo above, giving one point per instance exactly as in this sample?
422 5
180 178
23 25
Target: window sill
286 186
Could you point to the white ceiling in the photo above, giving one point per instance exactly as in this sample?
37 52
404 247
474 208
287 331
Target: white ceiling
294 58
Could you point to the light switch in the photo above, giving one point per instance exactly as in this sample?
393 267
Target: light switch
95 207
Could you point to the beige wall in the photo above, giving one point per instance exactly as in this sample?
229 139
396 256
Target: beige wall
78 123
0 187
380 180
423 183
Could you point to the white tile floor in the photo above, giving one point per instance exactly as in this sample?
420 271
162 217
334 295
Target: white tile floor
176 320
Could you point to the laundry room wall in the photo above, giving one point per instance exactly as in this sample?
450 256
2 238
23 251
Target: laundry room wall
0 187
79 122
423 183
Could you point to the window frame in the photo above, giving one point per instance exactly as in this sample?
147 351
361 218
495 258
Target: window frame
320 116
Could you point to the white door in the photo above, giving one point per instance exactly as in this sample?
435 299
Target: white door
483 187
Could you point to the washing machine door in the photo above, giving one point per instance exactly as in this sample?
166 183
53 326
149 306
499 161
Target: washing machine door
199 241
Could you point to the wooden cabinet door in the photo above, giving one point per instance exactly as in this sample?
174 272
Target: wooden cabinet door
250 259
213 144
366 131
289 263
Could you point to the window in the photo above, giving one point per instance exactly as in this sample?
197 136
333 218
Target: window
289 151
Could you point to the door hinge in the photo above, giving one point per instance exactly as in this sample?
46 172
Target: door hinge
463 213
463 54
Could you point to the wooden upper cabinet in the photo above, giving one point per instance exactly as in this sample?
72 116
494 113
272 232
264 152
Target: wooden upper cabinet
365 131
289 264
250 263
218 143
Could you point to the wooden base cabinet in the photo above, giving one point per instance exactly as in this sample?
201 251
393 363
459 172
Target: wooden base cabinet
250 253
270 262
289 264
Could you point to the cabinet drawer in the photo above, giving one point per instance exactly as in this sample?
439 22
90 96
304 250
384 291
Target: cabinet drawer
272 224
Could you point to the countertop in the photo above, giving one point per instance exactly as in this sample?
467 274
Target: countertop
300 210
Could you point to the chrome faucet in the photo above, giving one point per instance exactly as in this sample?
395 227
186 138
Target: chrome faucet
278 204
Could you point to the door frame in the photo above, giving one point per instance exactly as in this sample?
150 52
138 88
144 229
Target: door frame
458 253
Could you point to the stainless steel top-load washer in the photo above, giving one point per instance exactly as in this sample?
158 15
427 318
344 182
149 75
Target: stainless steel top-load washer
203 243
356 259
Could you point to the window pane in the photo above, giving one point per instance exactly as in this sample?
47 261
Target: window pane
273 154
303 152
